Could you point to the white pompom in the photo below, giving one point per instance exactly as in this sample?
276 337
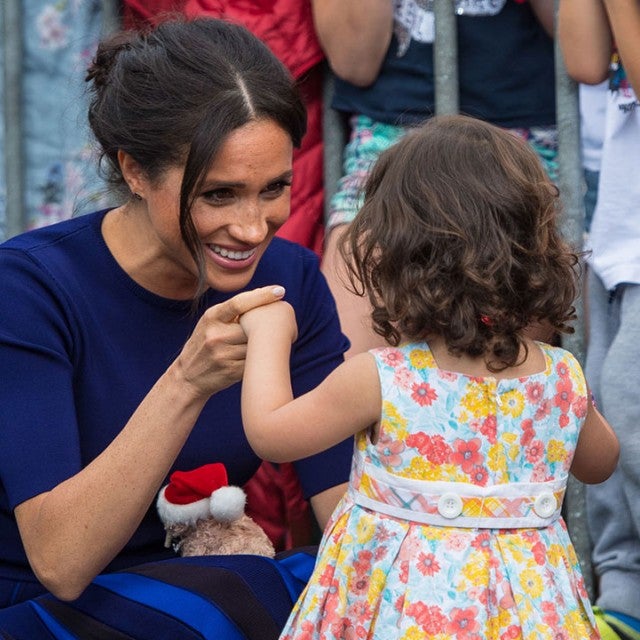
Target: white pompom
227 503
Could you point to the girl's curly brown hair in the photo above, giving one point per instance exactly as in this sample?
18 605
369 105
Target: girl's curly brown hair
458 238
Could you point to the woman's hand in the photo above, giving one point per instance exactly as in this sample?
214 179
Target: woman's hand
73 531
213 357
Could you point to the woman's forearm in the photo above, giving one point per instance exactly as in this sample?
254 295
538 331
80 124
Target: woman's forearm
585 39
355 36
73 531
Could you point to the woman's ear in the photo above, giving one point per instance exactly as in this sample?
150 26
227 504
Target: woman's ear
132 173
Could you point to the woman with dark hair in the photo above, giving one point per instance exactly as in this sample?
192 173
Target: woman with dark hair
120 327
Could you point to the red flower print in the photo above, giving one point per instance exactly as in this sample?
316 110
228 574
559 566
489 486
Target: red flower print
467 454
398 605
539 553
363 562
360 610
512 633
427 564
439 452
563 420
534 451
565 395
344 629
479 475
388 450
530 535
534 392
360 585
540 472
580 407
404 572
392 357
431 619
383 534
424 394
420 441
327 575
543 410
380 552
433 448
305 632
562 369
463 623
482 542
550 614
489 428
527 432
403 377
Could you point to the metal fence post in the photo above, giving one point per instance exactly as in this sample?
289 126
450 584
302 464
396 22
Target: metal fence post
445 58
13 147
570 183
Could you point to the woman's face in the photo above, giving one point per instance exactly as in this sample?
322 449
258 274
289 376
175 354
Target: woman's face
243 201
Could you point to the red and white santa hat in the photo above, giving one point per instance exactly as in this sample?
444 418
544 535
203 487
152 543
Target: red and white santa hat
198 494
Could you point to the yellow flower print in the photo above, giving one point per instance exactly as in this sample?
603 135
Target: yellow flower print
496 458
392 421
574 620
542 632
512 402
421 359
378 580
475 570
504 618
365 531
419 468
477 400
556 451
555 554
531 583
413 633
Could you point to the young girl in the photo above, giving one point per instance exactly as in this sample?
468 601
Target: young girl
465 430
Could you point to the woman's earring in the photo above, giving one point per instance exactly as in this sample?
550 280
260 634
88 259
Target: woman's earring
137 196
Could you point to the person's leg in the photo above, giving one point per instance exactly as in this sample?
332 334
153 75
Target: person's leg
613 507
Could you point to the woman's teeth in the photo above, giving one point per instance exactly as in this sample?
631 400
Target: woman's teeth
232 255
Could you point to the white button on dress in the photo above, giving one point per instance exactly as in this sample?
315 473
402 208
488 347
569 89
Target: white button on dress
545 505
450 505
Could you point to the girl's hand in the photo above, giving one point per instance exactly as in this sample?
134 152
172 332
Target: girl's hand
213 357
273 318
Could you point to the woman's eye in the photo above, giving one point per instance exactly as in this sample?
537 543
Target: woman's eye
218 195
276 188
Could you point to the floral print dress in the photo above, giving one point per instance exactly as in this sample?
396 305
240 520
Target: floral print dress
451 526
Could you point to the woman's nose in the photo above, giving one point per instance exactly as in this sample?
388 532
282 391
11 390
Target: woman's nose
250 226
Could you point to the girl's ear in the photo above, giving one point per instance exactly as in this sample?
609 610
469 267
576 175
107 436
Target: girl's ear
132 173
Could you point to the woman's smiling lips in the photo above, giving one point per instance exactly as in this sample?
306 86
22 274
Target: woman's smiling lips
232 258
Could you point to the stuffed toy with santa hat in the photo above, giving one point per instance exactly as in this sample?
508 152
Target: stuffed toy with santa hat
203 515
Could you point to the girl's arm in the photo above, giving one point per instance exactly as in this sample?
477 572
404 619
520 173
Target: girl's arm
73 531
598 449
282 429
585 39
355 36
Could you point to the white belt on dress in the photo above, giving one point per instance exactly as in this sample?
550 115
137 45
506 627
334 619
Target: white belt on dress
458 504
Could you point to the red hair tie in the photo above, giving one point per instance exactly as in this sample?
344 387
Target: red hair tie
486 320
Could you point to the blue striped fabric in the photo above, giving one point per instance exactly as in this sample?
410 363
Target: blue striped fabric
202 598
